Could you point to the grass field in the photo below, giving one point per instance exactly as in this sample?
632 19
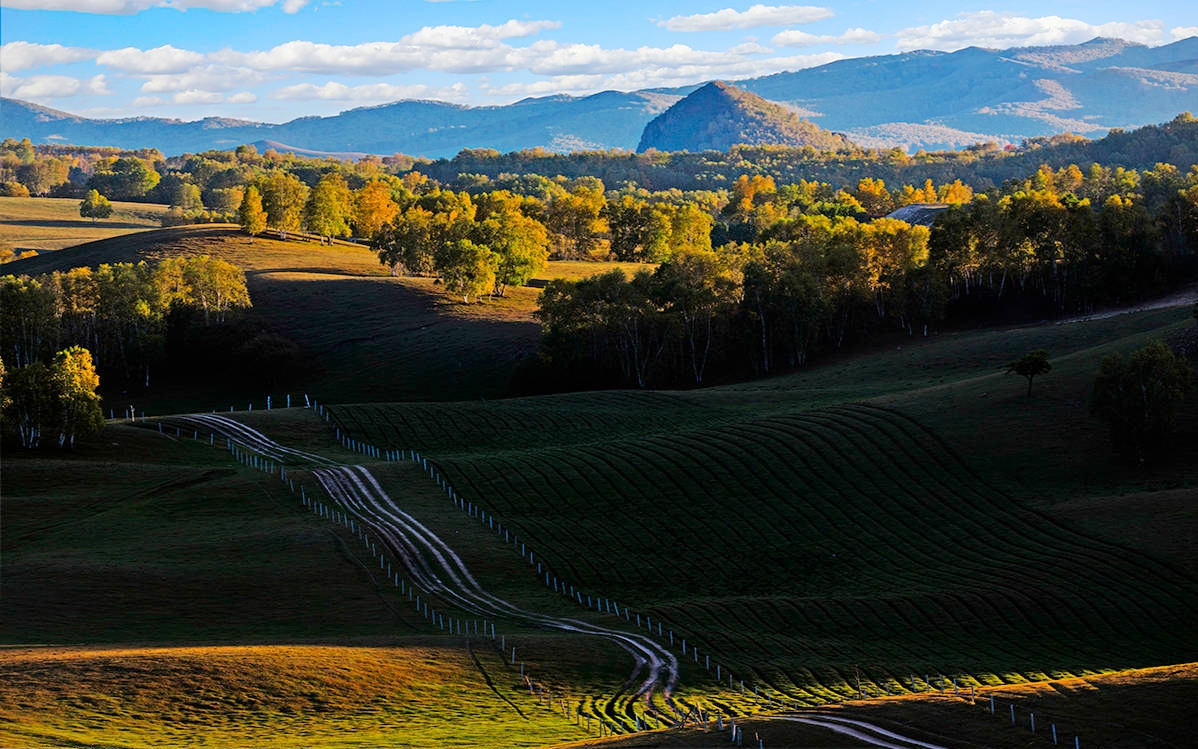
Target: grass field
46 224
900 512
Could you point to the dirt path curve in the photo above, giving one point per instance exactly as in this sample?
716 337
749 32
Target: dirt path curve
439 570
434 566
863 731
1188 295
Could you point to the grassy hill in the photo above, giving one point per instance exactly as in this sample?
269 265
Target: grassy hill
45 224
364 334
896 513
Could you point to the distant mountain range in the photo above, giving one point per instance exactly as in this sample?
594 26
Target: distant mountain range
929 100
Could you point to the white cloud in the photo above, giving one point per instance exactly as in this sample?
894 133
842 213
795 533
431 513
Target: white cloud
204 78
146 101
1002 30
16 56
52 86
1183 32
660 76
453 49
158 61
198 96
757 15
243 97
369 93
129 7
796 38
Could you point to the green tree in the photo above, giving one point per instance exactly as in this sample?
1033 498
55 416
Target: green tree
251 214
95 206
126 178
1139 396
74 382
467 269
283 198
1030 365
520 244
215 286
32 403
328 208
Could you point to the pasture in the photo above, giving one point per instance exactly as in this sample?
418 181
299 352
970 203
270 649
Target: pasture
884 523
48 224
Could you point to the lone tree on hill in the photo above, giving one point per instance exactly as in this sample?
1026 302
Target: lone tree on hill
1030 365
1139 397
95 206
251 213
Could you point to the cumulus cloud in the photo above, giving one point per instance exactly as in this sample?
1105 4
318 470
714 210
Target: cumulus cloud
1001 30
1183 32
369 93
198 96
142 102
129 7
158 61
757 15
16 56
52 86
243 97
204 78
796 38
453 49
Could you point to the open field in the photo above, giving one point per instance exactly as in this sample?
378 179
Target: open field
46 224
894 514
1139 709
421 693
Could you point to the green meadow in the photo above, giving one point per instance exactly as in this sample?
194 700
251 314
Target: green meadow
858 538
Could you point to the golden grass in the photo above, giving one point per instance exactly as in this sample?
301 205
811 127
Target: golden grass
46 224
411 694
1135 709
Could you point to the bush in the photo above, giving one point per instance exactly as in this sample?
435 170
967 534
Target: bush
1139 398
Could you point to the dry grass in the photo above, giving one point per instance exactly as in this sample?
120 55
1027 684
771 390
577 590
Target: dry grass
47 224
411 694
1139 709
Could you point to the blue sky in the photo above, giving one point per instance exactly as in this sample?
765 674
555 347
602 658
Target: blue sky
274 60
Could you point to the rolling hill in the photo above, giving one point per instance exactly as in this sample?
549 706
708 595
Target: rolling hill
919 99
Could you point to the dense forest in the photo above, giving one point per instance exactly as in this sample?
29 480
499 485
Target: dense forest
764 256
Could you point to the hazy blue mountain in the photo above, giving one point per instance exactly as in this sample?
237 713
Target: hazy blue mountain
912 100
719 116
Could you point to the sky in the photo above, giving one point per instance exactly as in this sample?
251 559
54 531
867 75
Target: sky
276 60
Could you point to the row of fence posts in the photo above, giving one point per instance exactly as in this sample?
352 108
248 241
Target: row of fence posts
130 414
463 627
1052 727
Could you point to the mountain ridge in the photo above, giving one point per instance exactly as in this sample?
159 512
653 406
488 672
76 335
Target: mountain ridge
921 99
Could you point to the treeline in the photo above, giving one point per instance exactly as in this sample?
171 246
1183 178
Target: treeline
810 272
123 313
211 186
982 166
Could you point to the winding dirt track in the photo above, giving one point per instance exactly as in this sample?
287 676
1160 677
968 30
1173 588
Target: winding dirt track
862 731
437 569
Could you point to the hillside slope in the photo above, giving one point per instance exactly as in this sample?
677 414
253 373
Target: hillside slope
719 116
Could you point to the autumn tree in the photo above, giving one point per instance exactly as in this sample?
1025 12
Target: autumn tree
251 214
283 198
467 269
329 207
520 244
74 382
373 208
95 206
